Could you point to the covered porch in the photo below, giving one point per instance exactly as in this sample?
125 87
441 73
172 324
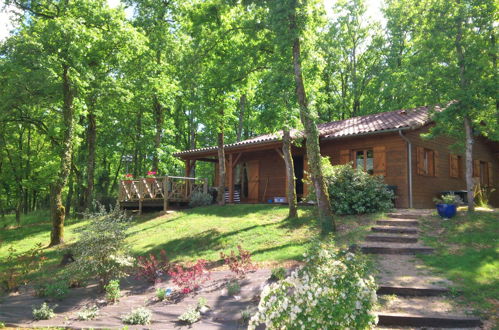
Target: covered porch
254 173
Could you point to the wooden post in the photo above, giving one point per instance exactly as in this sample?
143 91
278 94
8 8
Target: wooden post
205 185
187 167
230 175
165 194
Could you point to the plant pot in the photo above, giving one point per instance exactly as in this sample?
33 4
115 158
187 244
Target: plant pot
446 210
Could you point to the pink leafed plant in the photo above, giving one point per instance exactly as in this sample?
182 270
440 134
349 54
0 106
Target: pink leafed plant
151 268
191 278
239 264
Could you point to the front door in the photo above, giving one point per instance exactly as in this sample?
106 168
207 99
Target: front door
253 168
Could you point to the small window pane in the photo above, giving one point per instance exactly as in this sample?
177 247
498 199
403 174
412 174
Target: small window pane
359 159
370 162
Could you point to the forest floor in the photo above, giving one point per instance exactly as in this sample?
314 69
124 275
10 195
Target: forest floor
191 234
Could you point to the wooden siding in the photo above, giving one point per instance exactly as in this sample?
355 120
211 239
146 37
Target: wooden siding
425 188
395 156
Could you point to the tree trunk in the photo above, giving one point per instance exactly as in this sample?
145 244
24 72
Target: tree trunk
290 173
221 169
464 105
242 105
312 140
469 164
91 139
57 209
159 120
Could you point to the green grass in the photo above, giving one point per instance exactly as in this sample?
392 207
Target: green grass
196 233
468 254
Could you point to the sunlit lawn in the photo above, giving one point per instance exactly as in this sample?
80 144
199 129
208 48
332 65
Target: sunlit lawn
191 234
468 254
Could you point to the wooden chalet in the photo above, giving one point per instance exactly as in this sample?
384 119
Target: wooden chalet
387 144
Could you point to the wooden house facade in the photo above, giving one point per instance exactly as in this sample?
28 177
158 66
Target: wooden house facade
387 144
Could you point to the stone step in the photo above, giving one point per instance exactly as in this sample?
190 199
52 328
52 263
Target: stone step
392 238
435 312
398 222
408 320
404 215
390 229
405 291
395 250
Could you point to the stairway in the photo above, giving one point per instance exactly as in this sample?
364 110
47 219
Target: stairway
410 296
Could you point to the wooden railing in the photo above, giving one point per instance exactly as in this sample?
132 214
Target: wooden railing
169 188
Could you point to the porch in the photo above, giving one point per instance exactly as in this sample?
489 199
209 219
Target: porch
159 192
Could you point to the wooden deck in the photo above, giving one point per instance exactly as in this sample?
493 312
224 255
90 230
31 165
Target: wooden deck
159 191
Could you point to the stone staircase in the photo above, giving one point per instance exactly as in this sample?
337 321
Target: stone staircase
410 295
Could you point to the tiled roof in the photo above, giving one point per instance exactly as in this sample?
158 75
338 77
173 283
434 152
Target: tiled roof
379 122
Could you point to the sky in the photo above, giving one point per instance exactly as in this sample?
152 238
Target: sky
373 10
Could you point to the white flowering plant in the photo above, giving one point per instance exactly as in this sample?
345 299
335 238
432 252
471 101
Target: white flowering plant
333 290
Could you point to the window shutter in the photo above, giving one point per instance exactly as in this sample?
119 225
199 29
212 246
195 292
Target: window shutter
452 166
344 157
491 182
420 161
379 160
476 168
433 163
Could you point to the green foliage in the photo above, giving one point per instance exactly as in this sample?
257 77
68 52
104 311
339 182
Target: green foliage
233 287
200 199
202 302
56 289
161 294
356 192
88 313
101 250
448 199
138 316
192 315
332 290
44 312
113 292
278 273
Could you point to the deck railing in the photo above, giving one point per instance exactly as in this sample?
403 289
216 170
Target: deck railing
168 188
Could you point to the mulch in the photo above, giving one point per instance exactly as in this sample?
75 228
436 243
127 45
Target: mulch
225 312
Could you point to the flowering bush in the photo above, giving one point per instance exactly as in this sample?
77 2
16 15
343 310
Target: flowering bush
88 313
189 279
151 174
151 268
128 176
137 316
192 315
44 312
331 291
239 264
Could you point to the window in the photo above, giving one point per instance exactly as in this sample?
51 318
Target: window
364 159
426 161
455 167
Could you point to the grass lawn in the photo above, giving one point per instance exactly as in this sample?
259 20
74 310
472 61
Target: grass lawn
196 233
468 254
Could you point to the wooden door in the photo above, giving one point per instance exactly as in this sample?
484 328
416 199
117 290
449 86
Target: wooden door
253 168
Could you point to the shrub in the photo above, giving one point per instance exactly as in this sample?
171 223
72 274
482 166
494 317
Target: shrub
278 273
331 291
245 315
448 199
113 293
353 191
139 315
43 313
192 315
189 279
56 290
239 264
101 250
88 313
200 199
151 268
202 302
233 288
